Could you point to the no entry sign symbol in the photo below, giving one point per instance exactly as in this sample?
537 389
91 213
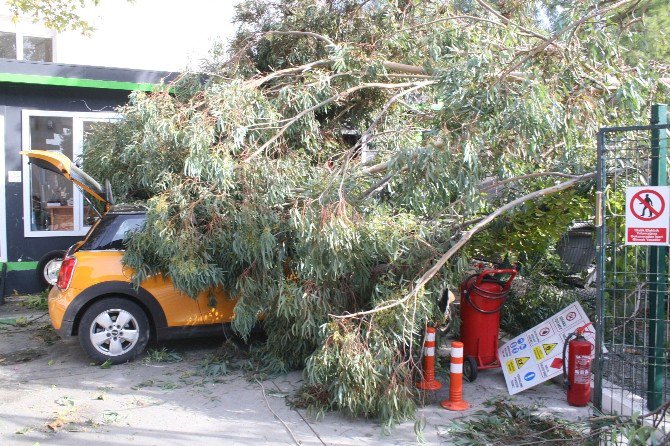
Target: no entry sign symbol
649 202
647 219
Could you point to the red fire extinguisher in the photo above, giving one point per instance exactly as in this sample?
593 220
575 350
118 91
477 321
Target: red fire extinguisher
577 379
482 297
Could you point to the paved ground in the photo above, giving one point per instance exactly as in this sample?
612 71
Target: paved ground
51 394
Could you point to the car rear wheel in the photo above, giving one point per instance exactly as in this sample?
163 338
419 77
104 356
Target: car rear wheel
48 266
114 329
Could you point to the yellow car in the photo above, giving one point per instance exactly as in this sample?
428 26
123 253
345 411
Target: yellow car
94 298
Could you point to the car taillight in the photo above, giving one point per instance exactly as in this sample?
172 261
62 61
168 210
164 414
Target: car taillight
66 272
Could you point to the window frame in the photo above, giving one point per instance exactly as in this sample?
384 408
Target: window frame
3 197
78 118
108 235
23 55
16 47
20 34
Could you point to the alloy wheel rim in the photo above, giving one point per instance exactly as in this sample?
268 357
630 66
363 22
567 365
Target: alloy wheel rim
114 332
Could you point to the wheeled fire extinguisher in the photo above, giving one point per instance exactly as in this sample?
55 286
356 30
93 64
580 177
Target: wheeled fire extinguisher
482 297
577 378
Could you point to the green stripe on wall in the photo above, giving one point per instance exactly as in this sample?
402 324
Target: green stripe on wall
21 266
72 82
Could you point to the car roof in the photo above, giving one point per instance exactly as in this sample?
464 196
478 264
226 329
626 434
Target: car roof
127 209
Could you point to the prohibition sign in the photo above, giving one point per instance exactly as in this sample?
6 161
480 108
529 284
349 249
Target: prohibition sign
655 210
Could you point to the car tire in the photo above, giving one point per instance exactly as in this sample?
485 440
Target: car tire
105 340
48 266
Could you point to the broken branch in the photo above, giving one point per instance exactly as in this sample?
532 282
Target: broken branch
465 238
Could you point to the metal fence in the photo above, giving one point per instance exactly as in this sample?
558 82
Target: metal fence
632 373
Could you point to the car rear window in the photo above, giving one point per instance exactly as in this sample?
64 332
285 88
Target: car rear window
112 230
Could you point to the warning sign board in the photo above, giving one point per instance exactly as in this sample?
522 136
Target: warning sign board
536 355
647 215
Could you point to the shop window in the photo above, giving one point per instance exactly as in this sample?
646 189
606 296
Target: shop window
52 204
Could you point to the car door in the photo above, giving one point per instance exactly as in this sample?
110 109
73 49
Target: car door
217 307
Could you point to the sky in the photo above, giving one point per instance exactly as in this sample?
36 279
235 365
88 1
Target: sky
154 34
147 34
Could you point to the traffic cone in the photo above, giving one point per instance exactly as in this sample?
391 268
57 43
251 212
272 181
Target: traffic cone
429 382
455 401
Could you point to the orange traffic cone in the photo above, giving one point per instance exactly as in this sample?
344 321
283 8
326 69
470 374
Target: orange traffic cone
429 382
455 401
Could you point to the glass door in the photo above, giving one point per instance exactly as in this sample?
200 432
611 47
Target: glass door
53 206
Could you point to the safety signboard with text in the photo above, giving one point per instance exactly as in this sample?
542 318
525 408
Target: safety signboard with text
647 215
537 355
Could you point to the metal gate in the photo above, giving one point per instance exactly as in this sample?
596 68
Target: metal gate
632 373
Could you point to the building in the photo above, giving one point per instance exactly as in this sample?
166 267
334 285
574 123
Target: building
49 106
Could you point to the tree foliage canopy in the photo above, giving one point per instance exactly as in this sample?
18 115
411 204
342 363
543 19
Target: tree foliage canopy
340 147
59 15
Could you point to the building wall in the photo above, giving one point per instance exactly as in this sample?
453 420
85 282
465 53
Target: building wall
22 251
145 35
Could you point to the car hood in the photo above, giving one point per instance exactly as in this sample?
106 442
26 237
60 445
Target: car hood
61 164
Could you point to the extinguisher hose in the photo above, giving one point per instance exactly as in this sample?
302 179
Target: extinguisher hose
486 294
481 310
566 381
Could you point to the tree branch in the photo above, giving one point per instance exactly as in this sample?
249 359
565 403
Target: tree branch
377 168
485 188
257 82
252 41
445 19
325 102
507 21
376 186
542 46
365 137
526 177
403 68
465 238
304 33
367 134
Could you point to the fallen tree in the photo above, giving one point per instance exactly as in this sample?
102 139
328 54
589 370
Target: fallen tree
339 166
480 225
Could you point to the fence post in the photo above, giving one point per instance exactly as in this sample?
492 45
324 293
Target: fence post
600 276
657 267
